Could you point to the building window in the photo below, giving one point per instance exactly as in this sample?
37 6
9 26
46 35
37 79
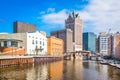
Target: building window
0 44
36 42
14 44
5 43
40 42
32 41
36 47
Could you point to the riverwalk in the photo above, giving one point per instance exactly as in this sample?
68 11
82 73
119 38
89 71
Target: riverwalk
111 63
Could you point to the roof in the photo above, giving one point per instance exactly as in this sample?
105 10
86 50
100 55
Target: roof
9 39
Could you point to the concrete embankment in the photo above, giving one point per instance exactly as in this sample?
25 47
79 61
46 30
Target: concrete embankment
111 63
18 60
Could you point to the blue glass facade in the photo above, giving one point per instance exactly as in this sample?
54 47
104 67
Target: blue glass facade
89 42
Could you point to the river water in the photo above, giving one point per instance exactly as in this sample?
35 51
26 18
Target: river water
61 70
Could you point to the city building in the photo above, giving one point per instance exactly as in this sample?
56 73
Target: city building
34 43
89 42
66 36
105 44
97 45
116 45
54 46
37 43
74 23
20 27
11 46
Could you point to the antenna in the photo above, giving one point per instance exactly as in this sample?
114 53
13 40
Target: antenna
109 30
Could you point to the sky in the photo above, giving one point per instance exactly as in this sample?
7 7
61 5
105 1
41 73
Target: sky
49 15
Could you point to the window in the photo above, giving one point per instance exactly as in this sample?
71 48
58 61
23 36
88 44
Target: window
32 41
36 42
40 42
0 44
14 44
5 43
40 47
36 47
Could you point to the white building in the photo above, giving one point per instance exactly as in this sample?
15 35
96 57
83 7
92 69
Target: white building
105 44
34 43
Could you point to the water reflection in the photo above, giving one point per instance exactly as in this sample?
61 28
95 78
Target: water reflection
72 70
61 70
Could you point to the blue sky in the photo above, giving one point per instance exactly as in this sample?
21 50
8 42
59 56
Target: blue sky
49 15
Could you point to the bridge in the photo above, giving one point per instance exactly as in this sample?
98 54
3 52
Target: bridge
77 54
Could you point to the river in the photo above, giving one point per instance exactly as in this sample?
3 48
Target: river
61 70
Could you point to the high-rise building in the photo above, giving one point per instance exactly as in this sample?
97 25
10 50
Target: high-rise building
20 27
74 23
66 36
89 42
105 44
116 45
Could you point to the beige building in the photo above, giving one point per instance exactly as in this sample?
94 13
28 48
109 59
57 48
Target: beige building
17 36
54 46
74 23
20 27
66 36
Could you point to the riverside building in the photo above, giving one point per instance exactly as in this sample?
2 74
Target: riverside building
105 44
116 45
89 42
34 43
66 36
55 46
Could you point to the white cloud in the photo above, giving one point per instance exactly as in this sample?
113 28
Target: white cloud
102 15
51 10
97 16
56 18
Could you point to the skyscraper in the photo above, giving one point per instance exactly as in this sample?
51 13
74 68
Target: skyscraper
74 23
89 41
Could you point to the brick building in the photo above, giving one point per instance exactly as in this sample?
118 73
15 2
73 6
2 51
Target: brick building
116 45
54 46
